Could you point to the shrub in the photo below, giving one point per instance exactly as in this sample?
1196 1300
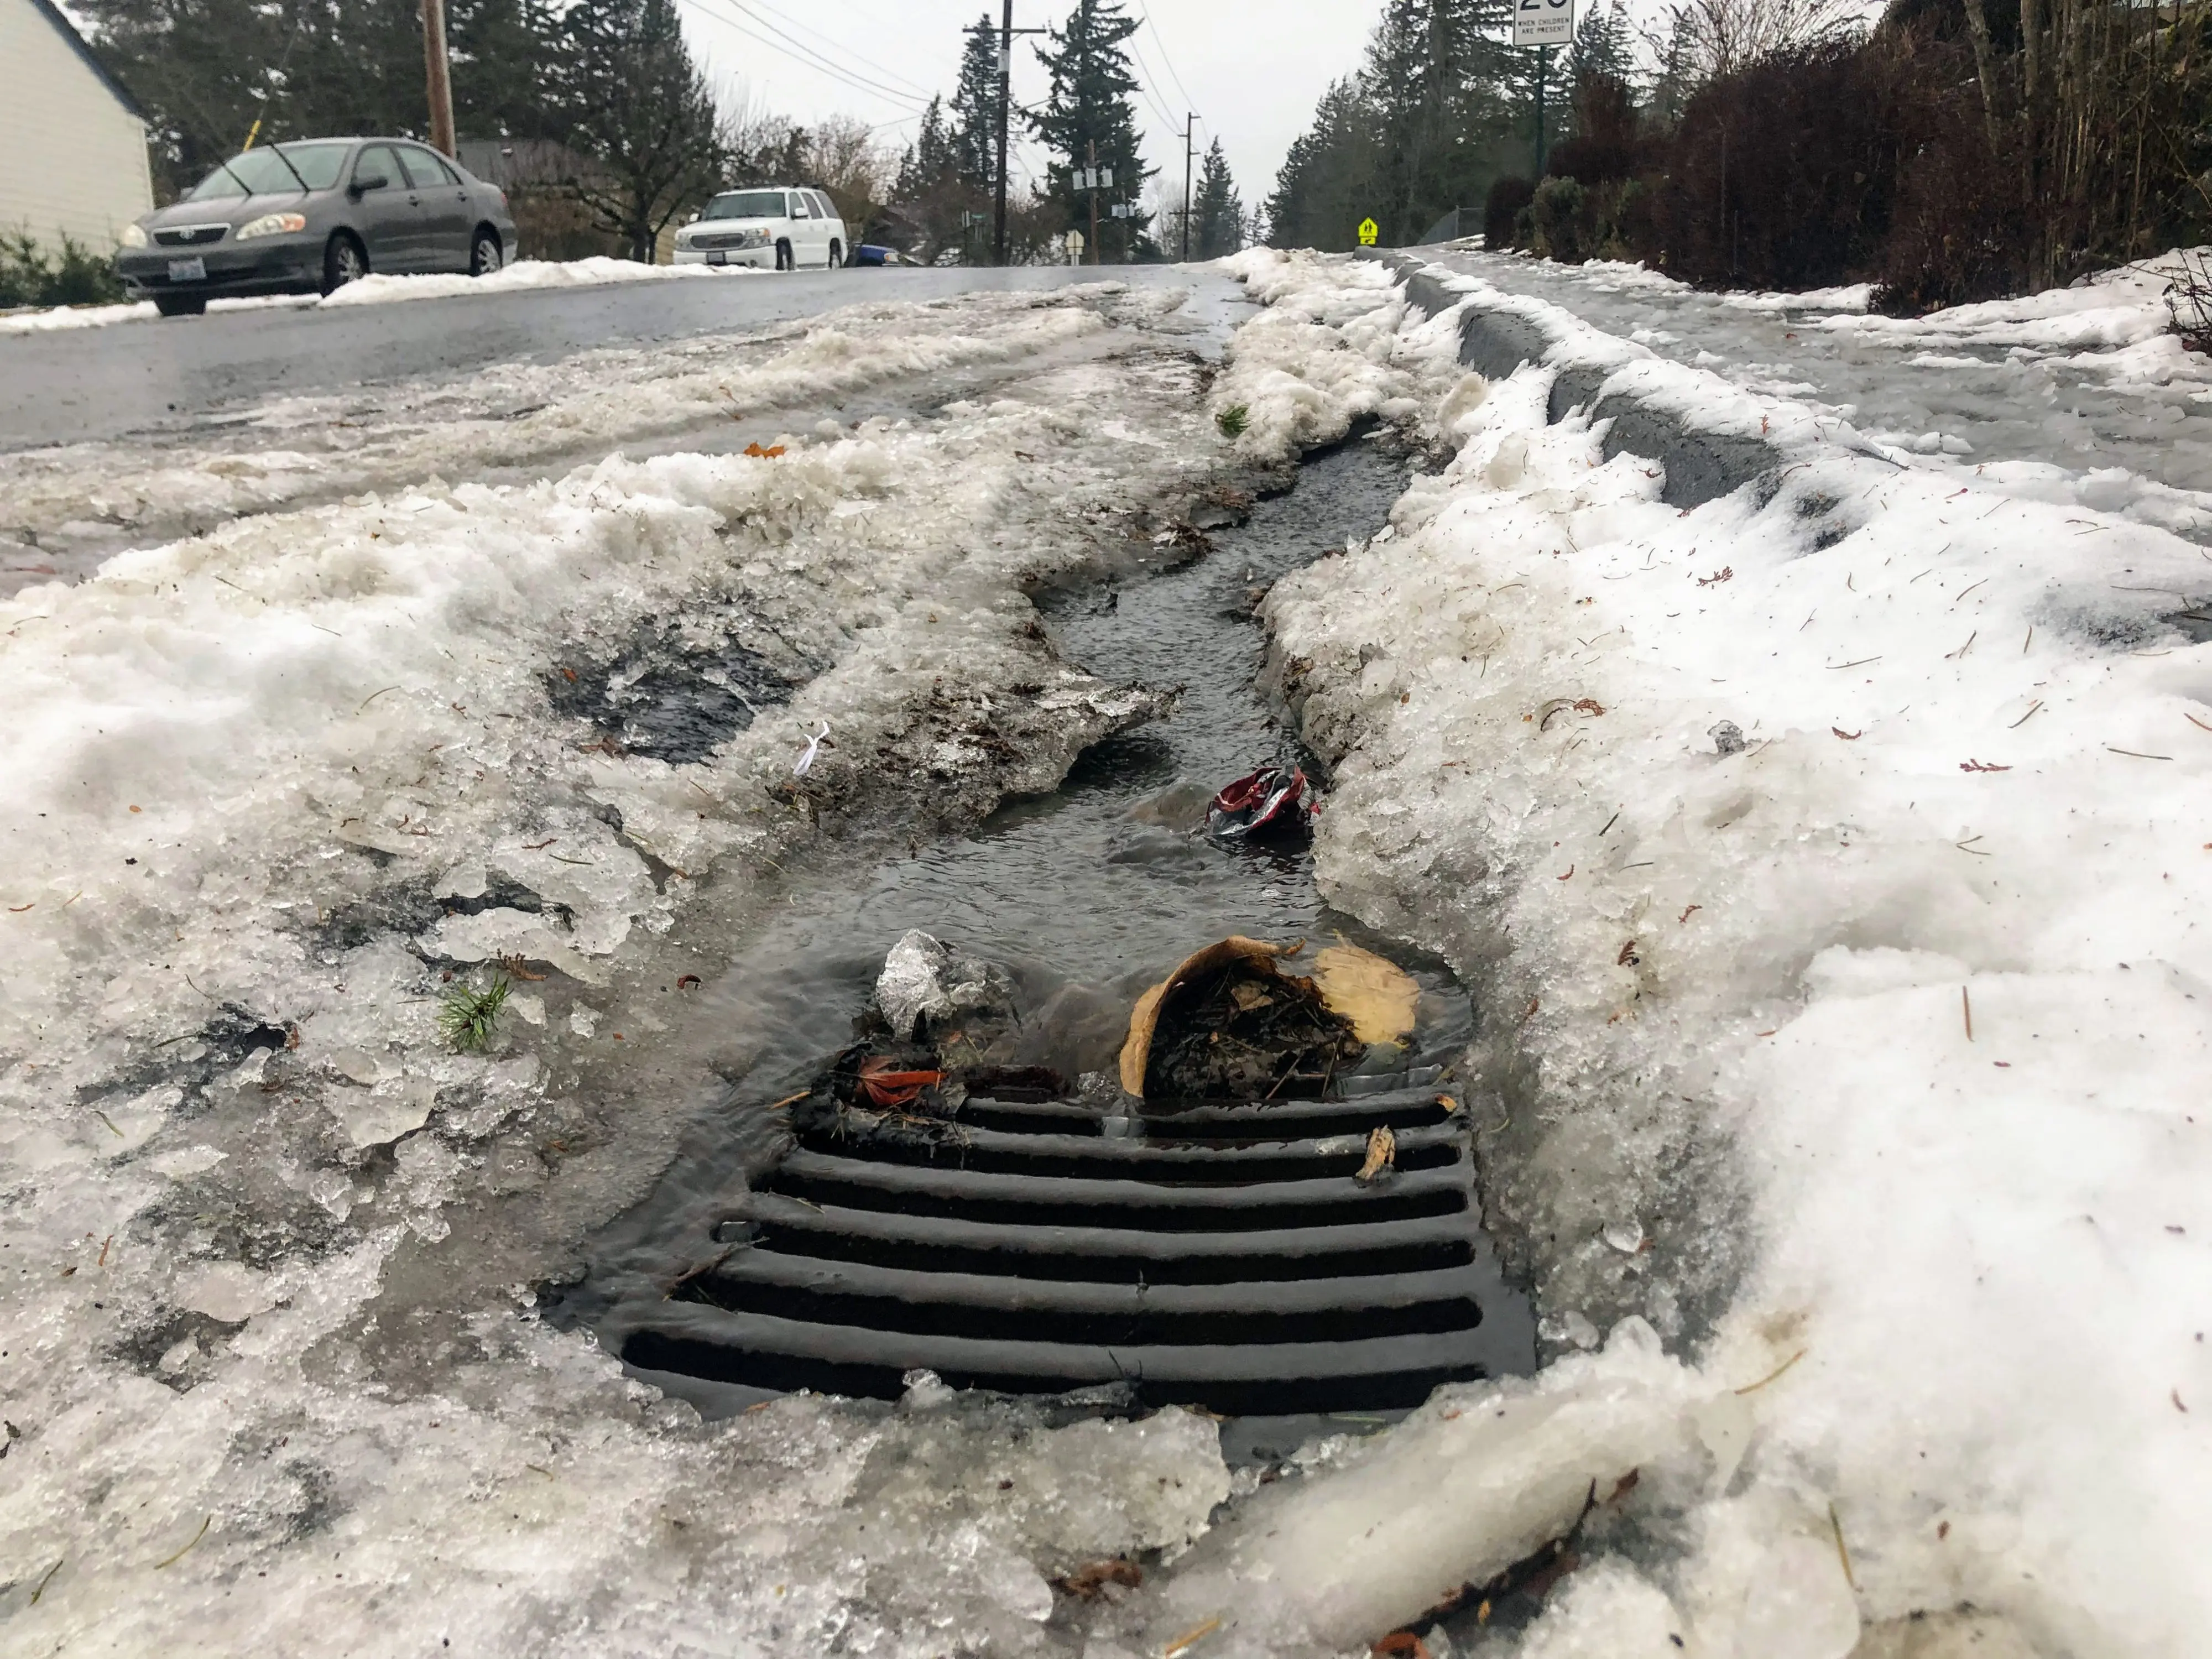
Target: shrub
1962 229
1501 213
1781 174
29 276
2189 302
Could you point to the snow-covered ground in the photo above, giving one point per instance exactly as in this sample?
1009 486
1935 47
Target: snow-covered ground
1820 857
272 1375
1827 860
2079 395
66 506
374 290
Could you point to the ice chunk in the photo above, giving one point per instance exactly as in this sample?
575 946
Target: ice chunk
228 1290
1500 1471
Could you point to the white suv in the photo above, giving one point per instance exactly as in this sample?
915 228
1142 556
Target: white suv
782 227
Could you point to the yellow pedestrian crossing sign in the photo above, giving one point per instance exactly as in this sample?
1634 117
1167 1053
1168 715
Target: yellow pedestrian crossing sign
1369 230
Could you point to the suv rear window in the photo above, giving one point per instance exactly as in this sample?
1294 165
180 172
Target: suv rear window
747 204
824 207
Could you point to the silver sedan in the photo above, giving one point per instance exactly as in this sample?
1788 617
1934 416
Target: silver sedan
311 215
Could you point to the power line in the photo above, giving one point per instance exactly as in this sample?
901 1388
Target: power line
1144 88
824 61
1144 12
820 65
889 75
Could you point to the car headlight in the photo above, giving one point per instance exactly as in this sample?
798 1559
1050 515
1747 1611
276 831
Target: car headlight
271 224
134 236
752 238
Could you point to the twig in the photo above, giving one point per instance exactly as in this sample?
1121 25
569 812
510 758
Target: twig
2037 704
181 1554
46 1579
1191 1637
1842 1554
2138 754
2193 720
1861 663
1967 1007
1969 588
372 697
1754 1388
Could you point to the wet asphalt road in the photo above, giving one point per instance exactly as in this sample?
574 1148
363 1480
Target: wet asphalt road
76 384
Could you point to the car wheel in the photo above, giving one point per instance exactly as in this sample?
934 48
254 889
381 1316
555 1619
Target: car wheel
485 255
837 256
180 305
343 261
783 256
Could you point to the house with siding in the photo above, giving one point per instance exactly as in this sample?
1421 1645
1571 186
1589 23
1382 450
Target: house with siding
72 139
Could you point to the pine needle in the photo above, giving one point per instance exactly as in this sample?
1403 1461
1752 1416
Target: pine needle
466 1018
1234 420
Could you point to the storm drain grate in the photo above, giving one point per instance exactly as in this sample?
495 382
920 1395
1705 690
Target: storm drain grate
1225 1256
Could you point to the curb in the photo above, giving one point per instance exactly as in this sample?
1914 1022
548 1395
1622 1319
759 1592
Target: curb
1701 466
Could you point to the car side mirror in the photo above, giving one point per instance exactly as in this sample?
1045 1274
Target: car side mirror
364 183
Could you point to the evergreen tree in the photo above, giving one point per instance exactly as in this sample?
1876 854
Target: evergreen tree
1327 185
1601 46
930 159
1089 105
974 135
638 107
1216 215
208 70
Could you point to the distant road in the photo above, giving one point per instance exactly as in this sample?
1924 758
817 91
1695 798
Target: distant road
74 384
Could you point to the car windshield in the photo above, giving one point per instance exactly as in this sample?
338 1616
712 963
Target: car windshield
263 171
746 204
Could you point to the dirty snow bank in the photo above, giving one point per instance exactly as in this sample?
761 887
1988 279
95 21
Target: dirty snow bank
596 272
73 504
2078 395
1327 352
1829 860
271 1367
378 289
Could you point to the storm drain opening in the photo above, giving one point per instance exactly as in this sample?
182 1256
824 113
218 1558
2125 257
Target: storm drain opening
1251 1189
1252 1256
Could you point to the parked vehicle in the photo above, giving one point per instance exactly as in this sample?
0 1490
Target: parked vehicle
782 227
311 215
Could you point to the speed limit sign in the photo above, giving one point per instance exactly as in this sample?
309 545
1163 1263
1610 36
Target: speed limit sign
1543 23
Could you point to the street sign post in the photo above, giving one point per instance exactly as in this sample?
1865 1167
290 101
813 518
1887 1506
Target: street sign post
1542 24
1369 230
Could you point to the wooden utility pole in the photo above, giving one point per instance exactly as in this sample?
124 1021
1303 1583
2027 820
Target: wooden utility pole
1189 126
1006 113
439 75
1093 147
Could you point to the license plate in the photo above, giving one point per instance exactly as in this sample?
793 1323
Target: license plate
716 257
188 270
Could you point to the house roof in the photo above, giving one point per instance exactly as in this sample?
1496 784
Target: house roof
52 14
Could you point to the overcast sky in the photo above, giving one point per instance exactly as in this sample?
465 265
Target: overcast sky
1252 70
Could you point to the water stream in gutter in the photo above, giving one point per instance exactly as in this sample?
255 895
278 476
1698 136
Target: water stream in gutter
1087 896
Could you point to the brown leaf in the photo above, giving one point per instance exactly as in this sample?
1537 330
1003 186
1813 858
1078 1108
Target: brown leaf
1401 1645
1382 1153
759 454
1088 1582
887 1086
